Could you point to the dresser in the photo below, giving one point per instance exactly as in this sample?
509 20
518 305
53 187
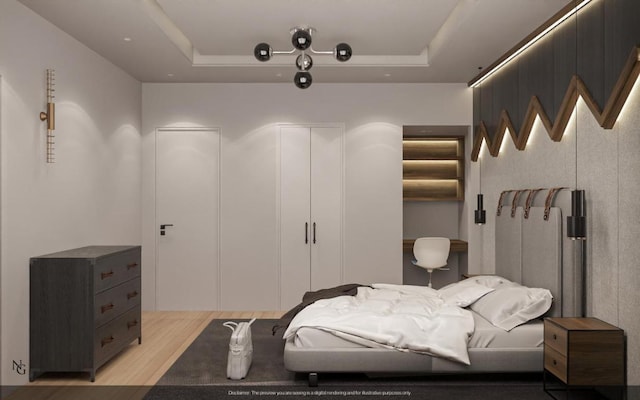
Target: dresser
84 308
584 352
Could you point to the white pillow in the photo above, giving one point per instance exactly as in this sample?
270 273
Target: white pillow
492 281
463 293
511 305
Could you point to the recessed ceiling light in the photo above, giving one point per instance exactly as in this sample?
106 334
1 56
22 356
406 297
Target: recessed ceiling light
387 75
279 74
127 39
170 75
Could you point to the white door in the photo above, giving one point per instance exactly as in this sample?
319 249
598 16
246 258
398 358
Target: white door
326 207
187 185
310 211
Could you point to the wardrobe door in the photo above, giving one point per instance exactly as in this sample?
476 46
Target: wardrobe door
295 227
326 207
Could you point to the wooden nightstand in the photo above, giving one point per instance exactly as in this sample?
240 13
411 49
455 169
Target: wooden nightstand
584 352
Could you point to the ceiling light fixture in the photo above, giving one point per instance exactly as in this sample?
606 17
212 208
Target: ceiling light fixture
301 41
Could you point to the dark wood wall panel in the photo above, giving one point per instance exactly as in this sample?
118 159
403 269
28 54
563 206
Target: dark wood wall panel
476 108
590 65
486 108
536 66
564 61
621 34
593 46
505 95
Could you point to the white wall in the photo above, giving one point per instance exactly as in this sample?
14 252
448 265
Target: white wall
91 195
247 115
605 163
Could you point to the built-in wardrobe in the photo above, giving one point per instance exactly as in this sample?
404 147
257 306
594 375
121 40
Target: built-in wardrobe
311 210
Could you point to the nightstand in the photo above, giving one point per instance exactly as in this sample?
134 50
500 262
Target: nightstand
584 352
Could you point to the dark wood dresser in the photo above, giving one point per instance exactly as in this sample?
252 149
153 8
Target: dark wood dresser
84 308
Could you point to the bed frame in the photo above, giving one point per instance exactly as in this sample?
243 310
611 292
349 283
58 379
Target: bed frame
531 248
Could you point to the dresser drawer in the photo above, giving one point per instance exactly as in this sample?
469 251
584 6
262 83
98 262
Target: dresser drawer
556 363
112 302
113 270
555 337
116 335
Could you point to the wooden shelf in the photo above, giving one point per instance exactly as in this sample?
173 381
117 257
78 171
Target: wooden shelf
457 245
433 168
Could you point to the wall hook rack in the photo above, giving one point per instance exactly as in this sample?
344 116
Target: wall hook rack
50 116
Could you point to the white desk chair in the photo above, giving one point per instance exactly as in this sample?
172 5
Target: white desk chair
431 253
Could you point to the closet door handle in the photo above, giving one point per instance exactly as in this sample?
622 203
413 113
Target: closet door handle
314 232
306 232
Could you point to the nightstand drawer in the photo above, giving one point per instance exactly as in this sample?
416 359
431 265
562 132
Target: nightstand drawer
555 337
555 363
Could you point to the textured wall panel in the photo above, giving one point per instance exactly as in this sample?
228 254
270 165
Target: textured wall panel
629 214
598 176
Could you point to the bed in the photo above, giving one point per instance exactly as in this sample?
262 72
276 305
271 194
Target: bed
533 251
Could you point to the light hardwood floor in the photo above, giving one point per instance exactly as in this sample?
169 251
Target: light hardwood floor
165 336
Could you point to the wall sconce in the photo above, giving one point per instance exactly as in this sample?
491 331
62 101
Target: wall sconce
480 213
577 221
301 40
50 116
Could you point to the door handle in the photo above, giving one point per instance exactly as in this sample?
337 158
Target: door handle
306 232
314 233
163 227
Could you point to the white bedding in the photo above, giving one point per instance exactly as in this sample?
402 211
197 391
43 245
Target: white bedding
415 320
485 335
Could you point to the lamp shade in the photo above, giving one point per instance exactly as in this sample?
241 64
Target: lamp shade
343 52
302 79
301 39
262 52
577 221
304 62
480 215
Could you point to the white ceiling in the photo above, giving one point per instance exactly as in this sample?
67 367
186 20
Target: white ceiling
213 40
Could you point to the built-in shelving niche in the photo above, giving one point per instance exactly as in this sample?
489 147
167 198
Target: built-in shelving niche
433 168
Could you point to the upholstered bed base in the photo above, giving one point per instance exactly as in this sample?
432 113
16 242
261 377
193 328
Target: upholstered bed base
372 360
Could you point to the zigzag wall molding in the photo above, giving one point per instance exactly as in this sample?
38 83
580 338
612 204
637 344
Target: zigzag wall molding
606 117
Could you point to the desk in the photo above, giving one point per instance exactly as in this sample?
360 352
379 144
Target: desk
457 246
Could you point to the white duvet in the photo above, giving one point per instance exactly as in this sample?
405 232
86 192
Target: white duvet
406 318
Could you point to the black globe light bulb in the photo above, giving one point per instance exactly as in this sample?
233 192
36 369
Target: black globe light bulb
304 62
263 52
301 39
343 52
302 79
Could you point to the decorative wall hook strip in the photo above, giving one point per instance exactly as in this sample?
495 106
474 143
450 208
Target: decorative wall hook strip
504 193
606 117
549 200
514 203
527 207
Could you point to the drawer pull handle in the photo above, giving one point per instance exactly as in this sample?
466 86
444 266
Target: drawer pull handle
555 362
555 337
106 275
106 308
132 295
106 341
132 265
131 324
